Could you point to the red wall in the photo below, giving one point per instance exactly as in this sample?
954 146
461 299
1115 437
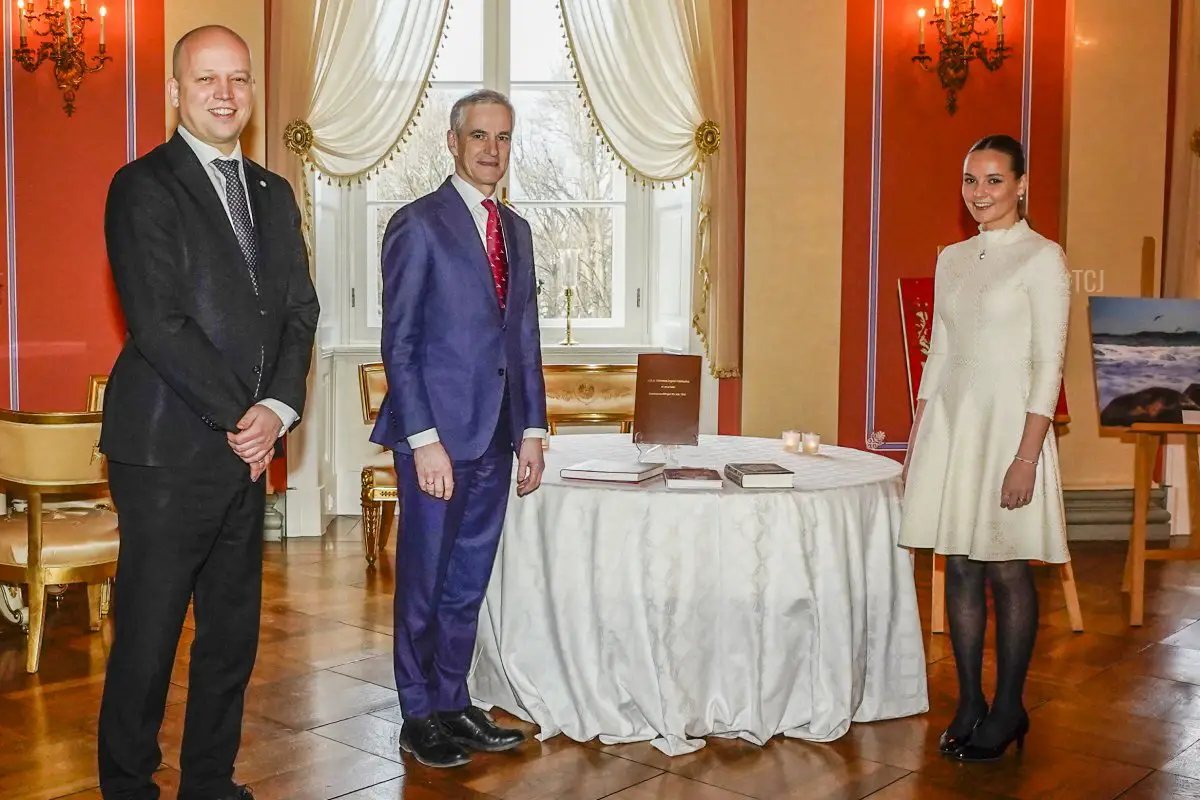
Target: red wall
905 148
5 359
68 321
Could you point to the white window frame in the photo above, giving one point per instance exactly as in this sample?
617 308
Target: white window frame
632 326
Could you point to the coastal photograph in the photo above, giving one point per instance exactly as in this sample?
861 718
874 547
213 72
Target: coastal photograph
1146 359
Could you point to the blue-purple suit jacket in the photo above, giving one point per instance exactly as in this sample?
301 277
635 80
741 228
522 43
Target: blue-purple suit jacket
449 351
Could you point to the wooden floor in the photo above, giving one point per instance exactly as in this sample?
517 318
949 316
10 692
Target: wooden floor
1115 711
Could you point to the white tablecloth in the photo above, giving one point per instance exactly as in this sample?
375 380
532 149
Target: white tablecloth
635 613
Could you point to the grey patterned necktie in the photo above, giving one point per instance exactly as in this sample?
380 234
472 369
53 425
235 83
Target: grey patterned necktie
243 226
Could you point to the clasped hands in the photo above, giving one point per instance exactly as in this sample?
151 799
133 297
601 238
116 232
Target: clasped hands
435 473
254 442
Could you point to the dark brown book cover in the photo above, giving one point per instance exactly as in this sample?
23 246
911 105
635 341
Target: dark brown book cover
666 406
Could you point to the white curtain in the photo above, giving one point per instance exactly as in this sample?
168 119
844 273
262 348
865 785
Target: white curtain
658 81
347 80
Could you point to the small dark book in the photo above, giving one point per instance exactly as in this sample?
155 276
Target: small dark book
692 478
760 476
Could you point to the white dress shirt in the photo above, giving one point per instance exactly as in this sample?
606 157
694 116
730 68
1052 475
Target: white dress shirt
207 155
474 200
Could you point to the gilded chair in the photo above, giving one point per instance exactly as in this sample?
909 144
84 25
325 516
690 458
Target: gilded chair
46 455
96 386
590 394
380 498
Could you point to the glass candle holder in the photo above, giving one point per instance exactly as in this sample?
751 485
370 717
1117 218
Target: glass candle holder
791 441
811 443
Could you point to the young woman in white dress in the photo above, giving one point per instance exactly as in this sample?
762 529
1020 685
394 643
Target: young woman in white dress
982 482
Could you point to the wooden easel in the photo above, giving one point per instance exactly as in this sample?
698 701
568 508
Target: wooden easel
1148 441
1148 438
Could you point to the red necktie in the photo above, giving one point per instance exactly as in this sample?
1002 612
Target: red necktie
495 251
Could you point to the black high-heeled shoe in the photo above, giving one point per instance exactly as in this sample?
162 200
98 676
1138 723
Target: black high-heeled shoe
949 744
974 752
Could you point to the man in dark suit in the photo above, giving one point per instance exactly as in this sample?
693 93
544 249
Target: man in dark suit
211 268
462 353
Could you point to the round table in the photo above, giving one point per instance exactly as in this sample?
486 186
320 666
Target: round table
638 612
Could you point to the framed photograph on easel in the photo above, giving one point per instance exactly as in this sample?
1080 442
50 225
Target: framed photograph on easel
1146 360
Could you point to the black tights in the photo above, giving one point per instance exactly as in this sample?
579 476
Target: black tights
1016 602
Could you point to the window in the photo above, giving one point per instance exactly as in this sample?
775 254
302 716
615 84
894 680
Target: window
589 220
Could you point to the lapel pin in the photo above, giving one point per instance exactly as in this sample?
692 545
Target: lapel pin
263 184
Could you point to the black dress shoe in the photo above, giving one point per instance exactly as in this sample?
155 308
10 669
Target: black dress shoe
974 752
239 792
473 728
949 744
426 741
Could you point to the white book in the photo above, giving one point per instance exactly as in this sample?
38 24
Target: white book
598 469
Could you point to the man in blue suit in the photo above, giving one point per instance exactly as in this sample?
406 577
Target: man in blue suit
462 353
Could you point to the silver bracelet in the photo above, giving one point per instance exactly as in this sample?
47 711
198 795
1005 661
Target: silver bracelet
1026 460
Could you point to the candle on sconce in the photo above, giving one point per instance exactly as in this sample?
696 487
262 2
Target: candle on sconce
812 443
21 17
67 14
921 27
791 441
1000 18
103 13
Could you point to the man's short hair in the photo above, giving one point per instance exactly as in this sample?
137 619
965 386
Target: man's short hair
458 114
183 40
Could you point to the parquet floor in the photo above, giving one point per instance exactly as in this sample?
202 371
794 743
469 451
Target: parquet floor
1115 711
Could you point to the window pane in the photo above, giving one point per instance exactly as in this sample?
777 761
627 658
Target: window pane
587 232
423 162
539 51
378 218
556 155
460 57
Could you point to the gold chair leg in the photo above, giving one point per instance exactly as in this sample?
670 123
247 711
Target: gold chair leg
388 518
37 623
94 593
106 598
370 517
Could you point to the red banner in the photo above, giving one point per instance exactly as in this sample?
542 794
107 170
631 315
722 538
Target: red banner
916 319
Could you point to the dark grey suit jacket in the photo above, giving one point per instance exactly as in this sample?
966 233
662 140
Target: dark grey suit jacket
201 348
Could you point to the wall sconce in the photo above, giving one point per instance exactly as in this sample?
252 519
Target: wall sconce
62 42
959 41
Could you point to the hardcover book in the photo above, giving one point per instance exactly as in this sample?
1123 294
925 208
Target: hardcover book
760 476
666 408
620 471
692 478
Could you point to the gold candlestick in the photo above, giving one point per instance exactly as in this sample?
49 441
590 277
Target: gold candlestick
568 340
